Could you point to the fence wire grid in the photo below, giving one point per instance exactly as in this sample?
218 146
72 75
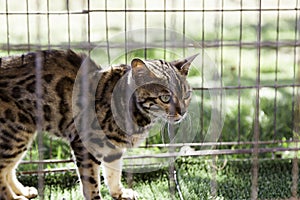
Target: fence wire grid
254 44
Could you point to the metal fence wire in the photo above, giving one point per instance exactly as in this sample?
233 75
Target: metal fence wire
254 45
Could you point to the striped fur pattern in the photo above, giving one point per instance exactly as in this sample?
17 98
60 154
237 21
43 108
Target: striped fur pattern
168 97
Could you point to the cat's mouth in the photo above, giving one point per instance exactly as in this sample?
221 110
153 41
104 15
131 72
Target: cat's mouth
171 118
176 118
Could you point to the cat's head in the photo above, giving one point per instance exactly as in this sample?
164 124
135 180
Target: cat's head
163 90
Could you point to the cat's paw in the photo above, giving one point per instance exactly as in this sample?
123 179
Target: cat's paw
127 194
30 192
19 198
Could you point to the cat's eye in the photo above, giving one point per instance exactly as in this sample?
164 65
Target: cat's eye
165 98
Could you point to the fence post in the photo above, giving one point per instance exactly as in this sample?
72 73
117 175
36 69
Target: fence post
213 181
172 184
296 122
39 123
255 163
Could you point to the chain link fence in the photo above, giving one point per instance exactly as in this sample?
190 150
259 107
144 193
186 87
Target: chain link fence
254 46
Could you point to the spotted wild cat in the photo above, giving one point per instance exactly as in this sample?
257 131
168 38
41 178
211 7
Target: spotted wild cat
161 90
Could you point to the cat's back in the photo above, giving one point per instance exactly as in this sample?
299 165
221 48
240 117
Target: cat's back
50 74
21 72
51 61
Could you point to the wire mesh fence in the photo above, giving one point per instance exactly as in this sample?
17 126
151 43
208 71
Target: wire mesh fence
254 45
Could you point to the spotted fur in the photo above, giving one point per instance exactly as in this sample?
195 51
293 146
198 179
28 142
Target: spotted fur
168 97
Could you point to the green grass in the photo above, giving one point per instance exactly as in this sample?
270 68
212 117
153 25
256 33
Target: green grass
195 176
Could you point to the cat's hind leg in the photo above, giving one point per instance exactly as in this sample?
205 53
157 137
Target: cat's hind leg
11 188
19 188
12 149
5 190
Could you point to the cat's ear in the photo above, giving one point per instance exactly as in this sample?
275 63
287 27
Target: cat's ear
140 70
183 65
137 64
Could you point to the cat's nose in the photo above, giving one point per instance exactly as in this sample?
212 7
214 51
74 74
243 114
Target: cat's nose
181 111
178 110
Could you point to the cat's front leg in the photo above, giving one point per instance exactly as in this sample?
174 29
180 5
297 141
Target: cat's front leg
88 170
112 169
